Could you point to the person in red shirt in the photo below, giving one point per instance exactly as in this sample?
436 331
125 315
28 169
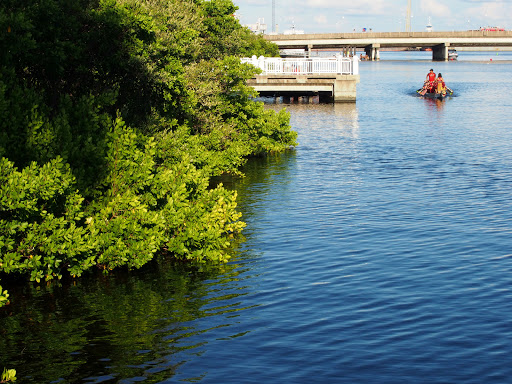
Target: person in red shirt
431 76
429 82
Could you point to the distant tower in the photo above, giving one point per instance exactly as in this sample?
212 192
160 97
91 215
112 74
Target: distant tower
273 15
408 17
429 25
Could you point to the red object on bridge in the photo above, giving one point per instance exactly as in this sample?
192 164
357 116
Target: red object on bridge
492 29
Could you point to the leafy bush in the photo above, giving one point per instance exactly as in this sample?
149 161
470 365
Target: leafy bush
40 215
8 375
114 116
4 297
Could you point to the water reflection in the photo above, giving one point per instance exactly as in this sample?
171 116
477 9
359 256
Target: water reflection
126 326
345 121
435 104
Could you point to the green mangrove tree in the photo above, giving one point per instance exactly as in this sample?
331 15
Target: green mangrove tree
114 116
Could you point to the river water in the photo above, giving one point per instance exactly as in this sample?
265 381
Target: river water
379 251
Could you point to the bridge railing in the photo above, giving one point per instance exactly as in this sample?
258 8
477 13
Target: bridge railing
305 66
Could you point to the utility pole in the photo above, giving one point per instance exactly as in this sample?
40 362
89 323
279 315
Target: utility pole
408 17
273 15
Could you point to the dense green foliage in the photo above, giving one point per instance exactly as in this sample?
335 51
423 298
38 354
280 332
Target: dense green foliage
114 115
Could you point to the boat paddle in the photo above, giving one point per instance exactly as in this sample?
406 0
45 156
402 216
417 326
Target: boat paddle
423 90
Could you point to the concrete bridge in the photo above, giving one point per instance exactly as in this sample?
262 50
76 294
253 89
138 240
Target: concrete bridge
330 78
372 42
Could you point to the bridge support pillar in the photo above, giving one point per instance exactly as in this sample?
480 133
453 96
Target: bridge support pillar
308 50
440 52
373 51
349 51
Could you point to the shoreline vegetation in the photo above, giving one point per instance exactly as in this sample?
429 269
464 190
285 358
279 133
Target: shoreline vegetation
115 115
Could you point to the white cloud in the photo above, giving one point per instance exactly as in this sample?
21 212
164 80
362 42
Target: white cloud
350 7
435 8
382 15
256 3
496 13
320 19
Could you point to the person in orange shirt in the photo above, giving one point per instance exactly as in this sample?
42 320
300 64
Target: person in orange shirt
440 85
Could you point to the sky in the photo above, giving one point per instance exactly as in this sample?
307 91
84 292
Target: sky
318 16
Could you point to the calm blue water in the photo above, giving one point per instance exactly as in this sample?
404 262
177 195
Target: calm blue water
464 56
379 251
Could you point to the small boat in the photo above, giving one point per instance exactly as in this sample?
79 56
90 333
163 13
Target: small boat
452 54
432 93
435 95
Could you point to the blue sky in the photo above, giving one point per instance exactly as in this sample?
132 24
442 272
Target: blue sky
315 16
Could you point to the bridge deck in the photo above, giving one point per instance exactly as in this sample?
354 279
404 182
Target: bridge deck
394 39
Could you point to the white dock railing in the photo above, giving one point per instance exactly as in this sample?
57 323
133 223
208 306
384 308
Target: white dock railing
305 66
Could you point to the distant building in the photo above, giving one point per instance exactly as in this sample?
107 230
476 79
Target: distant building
259 28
